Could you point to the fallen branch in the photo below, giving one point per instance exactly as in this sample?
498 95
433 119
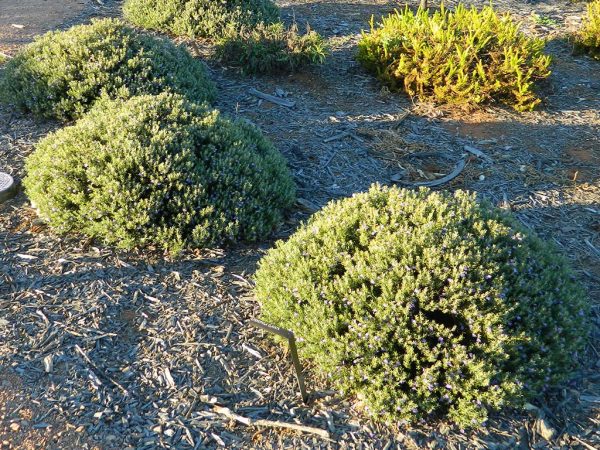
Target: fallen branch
460 166
590 245
103 375
341 135
400 119
272 98
269 423
588 446
478 153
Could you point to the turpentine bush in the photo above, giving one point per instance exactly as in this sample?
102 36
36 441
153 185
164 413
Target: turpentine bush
63 73
271 48
162 171
425 304
588 38
465 56
199 18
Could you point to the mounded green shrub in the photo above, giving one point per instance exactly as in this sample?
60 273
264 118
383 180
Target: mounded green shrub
588 38
271 49
162 171
199 18
465 56
425 304
63 73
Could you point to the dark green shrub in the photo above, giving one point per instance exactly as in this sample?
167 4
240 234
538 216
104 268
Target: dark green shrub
588 38
63 73
162 171
271 48
463 57
199 18
425 304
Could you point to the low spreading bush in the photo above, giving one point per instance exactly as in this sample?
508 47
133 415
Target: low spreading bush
588 38
425 304
271 48
463 56
162 171
199 18
63 73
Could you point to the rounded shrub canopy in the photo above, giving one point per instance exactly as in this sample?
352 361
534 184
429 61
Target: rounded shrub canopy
425 304
199 18
162 171
63 73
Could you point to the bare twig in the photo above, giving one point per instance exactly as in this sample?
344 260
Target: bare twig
341 135
330 158
590 245
269 423
93 366
478 153
400 119
460 166
272 98
588 446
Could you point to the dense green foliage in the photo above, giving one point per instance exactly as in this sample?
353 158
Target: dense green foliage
271 48
588 38
425 304
199 18
463 56
63 73
162 171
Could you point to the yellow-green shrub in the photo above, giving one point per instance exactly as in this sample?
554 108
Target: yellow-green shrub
271 48
588 38
465 56
63 73
159 170
426 304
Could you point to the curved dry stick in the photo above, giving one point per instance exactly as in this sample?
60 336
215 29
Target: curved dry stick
269 423
460 166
